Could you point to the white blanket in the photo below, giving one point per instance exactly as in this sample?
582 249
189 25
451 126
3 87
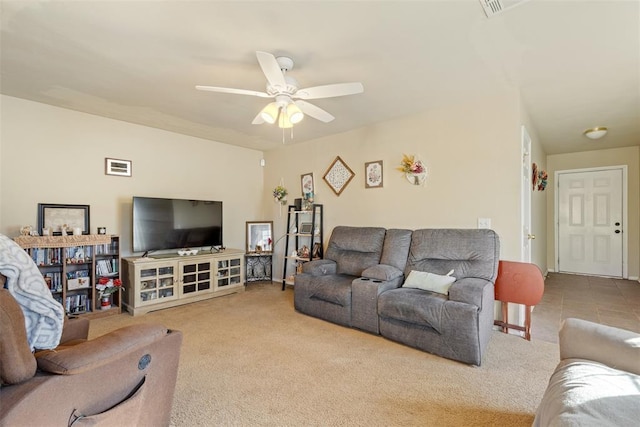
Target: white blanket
44 316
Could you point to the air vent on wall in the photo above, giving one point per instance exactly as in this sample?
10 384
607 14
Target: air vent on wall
494 7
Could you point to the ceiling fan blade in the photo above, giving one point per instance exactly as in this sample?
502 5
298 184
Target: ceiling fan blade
258 119
271 70
329 91
234 91
313 111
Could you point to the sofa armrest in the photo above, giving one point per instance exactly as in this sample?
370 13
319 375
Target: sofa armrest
617 348
382 272
96 353
470 290
320 267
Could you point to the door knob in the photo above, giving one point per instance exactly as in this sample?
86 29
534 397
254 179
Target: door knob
617 224
531 236
617 231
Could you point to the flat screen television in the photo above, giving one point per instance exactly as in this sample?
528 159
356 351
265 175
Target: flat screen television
175 223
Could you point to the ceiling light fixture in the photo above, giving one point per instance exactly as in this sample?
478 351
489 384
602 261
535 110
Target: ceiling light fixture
294 113
270 113
596 133
283 121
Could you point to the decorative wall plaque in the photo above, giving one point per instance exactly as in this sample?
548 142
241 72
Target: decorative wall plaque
338 175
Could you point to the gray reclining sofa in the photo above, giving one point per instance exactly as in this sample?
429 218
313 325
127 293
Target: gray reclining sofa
360 282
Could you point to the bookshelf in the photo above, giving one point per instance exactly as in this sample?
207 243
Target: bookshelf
72 266
304 240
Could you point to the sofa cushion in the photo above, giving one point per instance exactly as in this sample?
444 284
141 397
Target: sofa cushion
413 306
334 289
586 393
470 252
396 248
355 248
430 281
581 339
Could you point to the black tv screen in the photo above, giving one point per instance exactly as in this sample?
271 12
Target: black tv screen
175 223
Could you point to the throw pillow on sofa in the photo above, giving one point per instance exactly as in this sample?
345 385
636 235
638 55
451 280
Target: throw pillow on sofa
430 281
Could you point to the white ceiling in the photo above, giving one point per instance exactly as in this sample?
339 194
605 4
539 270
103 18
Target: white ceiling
576 63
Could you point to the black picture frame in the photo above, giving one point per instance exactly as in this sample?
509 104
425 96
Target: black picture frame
316 252
53 216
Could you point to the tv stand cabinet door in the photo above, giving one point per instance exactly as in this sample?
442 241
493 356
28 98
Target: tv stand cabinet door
196 277
229 272
155 282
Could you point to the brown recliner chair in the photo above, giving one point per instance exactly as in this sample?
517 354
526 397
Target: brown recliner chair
124 378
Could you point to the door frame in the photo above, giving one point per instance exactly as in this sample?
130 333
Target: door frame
525 196
556 216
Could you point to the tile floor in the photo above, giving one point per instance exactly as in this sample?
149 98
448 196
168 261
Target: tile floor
613 302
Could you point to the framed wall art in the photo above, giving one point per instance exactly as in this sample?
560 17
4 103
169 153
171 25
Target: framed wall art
373 174
338 175
306 183
57 217
117 167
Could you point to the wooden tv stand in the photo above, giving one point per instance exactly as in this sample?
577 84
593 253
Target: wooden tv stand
168 280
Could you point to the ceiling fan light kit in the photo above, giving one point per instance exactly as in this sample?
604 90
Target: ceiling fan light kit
596 133
270 113
294 113
288 108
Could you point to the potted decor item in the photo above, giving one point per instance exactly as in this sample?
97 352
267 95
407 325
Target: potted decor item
280 195
414 170
105 288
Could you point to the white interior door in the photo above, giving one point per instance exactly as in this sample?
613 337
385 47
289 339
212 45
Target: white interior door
590 222
525 196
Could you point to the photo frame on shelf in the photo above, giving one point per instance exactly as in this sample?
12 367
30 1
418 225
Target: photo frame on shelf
373 177
117 167
316 252
306 228
54 217
338 176
259 236
306 185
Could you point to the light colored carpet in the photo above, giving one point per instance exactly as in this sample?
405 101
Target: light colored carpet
250 359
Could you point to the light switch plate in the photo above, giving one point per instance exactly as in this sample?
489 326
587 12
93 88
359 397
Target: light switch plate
484 222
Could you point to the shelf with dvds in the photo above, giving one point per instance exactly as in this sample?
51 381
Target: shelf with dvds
75 268
304 240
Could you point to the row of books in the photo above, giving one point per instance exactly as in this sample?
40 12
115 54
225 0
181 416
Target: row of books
79 303
107 249
46 256
53 281
107 267
78 253
77 274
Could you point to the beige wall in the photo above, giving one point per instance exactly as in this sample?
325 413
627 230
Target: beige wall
54 155
629 156
472 153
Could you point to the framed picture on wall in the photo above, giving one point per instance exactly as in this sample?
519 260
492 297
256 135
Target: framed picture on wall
306 183
373 174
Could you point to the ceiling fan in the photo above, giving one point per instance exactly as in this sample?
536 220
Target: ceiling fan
289 106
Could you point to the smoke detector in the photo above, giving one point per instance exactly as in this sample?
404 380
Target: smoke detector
494 7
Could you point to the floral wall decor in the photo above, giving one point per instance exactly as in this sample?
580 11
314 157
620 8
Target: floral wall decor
414 170
373 174
280 195
542 180
538 178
